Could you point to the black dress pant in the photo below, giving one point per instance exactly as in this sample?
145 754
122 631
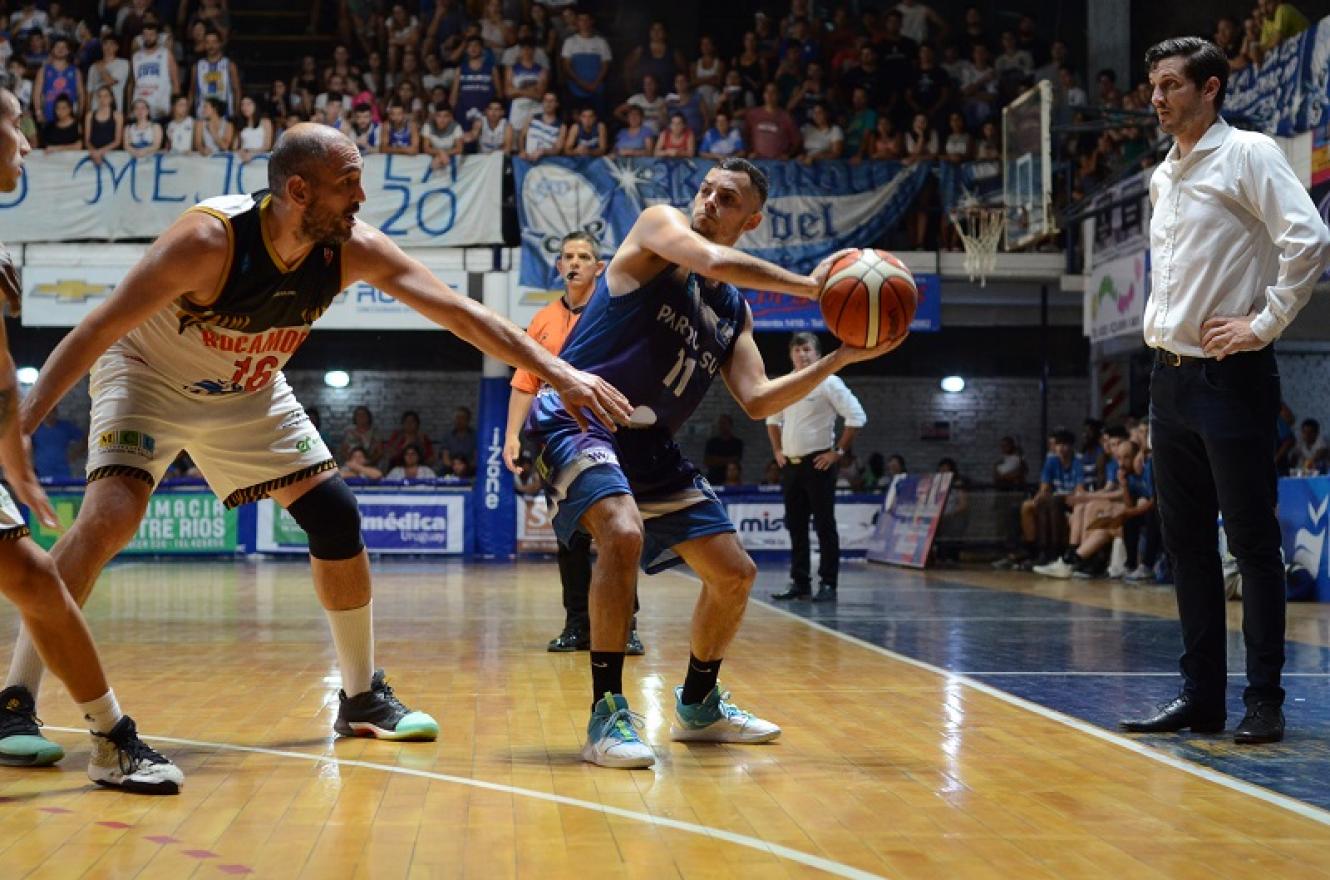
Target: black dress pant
575 573
808 491
1212 428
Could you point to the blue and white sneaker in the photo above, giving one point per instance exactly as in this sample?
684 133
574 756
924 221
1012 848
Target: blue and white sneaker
611 736
716 719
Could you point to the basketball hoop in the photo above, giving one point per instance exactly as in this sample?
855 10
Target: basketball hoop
980 228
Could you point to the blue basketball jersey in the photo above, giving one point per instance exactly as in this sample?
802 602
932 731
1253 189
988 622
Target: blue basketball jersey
661 345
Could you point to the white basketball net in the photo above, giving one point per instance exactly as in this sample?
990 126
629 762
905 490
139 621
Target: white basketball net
980 228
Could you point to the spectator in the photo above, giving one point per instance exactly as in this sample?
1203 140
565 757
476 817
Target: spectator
656 59
1311 452
408 434
722 140
862 120
921 141
214 133
789 73
54 443
460 441
799 37
931 89
733 475
542 29
1282 20
808 93
822 138
587 136
1107 81
585 59
403 32
771 130
513 52
253 130
476 85
708 71
723 449
29 18
850 473
896 54
411 468
497 31
635 139
357 93
360 433
734 97
959 146
57 76
1140 526
884 143
374 76
62 134
918 20
143 137
544 135
751 67
364 132
363 20
357 466
841 33
215 76
1044 522
400 134
492 133
446 26
459 467
768 41
1057 57
978 84
180 129
685 101
442 137
306 83
650 101
1096 521
974 33
277 102
1010 470
771 474
111 70
1028 41
103 127
21 85
677 141
525 84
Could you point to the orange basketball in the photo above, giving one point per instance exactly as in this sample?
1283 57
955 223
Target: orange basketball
869 297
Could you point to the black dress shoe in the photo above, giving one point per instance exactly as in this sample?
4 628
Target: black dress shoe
792 593
1263 723
825 594
635 648
1178 714
570 640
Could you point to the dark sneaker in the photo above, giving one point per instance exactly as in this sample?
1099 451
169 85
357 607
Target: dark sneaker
1263 723
121 760
570 640
378 713
634 648
21 741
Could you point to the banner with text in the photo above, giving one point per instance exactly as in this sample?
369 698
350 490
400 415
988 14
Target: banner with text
174 523
125 198
1289 91
811 210
909 519
397 522
1115 295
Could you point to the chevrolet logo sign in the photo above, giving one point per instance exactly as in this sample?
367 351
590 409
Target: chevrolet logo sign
540 297
71 291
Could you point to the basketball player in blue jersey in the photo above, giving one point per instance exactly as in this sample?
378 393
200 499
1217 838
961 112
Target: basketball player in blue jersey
188 352
664 320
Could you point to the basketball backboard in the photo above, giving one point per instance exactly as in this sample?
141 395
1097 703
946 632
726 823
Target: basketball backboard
1027 167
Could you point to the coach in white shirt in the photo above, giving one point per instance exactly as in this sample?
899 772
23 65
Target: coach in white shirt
804 442
1236 247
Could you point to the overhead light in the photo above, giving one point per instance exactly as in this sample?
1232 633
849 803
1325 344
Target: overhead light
953 384
27 375
336 379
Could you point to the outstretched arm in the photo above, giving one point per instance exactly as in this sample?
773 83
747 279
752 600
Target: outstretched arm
15 454
371 256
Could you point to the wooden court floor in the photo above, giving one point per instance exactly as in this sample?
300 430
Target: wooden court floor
886 768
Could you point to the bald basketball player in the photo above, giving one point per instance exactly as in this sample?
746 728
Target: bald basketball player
29 580
187 353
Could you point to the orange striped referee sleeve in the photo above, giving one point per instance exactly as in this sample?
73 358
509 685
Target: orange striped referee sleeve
549 328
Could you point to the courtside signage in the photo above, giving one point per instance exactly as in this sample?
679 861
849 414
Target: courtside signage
175 522
427 523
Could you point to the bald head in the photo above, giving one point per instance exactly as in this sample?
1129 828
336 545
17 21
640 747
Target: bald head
304 151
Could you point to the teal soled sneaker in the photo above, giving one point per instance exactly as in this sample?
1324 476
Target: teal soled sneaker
21 741
378 713
611 736
715 719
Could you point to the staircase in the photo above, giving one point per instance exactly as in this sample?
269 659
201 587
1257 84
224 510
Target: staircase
267 41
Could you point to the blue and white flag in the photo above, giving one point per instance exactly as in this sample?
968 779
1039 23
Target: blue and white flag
811 210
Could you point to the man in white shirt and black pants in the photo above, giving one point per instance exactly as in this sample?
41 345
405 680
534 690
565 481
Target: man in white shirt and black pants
803 441
1236 247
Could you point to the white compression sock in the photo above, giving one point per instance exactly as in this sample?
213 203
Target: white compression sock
353 637
26 667
102 713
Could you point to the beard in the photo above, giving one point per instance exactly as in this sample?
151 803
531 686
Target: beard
323 225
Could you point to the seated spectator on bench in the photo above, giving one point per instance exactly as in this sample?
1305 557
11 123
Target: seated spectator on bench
1044 518
1096 519
1310 453
411 468
358 467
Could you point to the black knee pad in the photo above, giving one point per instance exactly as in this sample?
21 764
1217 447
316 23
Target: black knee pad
331 518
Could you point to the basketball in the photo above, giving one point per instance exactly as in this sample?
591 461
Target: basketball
869 297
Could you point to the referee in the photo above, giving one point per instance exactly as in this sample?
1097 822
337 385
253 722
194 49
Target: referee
1237 246
802 441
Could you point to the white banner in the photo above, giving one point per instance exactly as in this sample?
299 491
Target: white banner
65 197
1115 295
535 526
59 296
406 522
761 524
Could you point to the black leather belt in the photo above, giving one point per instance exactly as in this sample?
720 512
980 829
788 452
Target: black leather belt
1169 359
798 459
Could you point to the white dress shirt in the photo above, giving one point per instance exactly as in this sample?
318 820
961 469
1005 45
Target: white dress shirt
810 425
1233 233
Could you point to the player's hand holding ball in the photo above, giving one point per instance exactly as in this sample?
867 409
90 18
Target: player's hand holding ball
868 299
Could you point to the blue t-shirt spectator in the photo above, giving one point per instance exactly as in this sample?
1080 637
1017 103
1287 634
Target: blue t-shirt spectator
627 140
722 145
50 448
1142 485
1063 478
1111 473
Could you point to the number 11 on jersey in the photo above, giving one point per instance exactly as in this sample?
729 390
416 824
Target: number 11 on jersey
682 371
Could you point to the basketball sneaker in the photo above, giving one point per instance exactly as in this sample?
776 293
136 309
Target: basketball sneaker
716 719
121 760
611 736
634 648
21 741
378 713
